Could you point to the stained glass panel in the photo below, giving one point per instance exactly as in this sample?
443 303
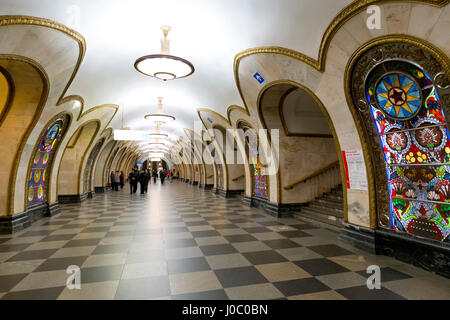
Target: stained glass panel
413 133
42 160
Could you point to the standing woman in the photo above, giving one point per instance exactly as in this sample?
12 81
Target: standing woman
122 179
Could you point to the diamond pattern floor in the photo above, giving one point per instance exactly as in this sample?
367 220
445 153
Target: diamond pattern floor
182 242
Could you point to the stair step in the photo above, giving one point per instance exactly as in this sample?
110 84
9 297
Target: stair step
319 217
326 208
329 204
324 211
337 198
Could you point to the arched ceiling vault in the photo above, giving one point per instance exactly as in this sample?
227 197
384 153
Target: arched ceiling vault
117 33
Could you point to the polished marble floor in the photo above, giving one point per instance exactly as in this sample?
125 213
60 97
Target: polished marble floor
182 242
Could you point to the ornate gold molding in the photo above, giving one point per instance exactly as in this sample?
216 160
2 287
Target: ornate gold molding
9 20
319 64
9 95
40 106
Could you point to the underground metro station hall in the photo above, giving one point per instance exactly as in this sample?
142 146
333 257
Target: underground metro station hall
224 150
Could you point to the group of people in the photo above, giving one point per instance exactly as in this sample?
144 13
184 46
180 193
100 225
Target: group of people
144 176
117 179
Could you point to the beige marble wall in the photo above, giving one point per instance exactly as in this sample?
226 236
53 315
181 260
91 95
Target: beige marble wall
99 180
413 19
28 86
70 172
58 54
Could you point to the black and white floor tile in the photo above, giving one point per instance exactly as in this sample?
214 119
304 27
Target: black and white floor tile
182 242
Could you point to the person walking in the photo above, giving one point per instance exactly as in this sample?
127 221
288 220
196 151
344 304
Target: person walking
131 180
147 179
136 180
169 174
162 176
155 175
112 180
142 181
122 179
116 181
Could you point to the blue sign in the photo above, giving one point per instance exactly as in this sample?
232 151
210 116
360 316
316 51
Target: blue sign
139 163
258 77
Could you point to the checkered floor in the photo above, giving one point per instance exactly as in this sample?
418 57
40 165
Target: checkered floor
182 242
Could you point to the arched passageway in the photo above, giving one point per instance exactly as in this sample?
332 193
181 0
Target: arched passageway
310 175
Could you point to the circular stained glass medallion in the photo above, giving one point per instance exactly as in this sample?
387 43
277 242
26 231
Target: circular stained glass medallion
398 96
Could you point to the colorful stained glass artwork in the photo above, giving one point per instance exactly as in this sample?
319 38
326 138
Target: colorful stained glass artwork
260 188
89 164
40 192
398 96
45 158
414 137
42 159
37 176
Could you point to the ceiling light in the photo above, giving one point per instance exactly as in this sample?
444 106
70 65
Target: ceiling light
159 117
157 134
164 66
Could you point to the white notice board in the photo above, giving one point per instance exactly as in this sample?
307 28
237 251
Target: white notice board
355 169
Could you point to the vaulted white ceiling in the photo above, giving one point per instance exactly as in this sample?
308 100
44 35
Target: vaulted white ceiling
209 33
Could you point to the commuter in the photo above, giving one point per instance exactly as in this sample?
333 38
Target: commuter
112 180
155 175
131 180
143 181
162 176
122 179
116 181
147 179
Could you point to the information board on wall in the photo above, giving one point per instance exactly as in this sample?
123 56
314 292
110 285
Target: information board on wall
355 169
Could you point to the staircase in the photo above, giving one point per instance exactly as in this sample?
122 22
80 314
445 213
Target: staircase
328 209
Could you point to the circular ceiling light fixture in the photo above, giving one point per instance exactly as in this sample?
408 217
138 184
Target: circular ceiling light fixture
164 66
159 118
157 134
